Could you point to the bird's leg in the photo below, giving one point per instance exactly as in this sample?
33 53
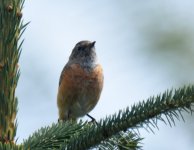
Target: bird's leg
105 133
93 119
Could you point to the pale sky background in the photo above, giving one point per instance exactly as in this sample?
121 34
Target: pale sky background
145 47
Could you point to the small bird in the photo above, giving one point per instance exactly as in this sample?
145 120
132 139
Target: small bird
80 83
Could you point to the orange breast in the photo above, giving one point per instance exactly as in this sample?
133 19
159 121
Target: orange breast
79 90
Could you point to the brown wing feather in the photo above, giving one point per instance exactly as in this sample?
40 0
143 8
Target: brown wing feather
62 74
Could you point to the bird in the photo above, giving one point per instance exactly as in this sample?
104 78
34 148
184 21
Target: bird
81 83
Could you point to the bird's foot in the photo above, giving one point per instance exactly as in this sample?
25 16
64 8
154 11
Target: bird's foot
93 120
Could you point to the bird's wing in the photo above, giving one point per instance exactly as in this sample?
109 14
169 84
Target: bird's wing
65 69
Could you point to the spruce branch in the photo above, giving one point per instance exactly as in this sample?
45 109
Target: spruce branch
146 114
165 107
58 134
122 141
52 137
10 146
11 28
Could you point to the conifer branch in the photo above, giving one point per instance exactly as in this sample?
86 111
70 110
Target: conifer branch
145 114
58 134
165 107
52 137
122 141
10 33
10 146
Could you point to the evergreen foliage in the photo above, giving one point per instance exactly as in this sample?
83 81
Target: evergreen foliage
11 30
118 131
165 107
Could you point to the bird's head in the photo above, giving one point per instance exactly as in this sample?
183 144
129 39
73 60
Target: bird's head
83 50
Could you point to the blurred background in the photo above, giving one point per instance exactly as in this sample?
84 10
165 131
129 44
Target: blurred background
145 47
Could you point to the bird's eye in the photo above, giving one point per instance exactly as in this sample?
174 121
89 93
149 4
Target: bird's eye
79 48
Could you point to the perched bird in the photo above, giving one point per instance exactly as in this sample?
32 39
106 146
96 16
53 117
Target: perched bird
80 83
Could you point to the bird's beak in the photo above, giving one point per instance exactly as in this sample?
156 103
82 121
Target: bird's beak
92 44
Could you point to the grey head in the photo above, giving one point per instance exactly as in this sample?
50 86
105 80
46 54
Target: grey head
84 53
